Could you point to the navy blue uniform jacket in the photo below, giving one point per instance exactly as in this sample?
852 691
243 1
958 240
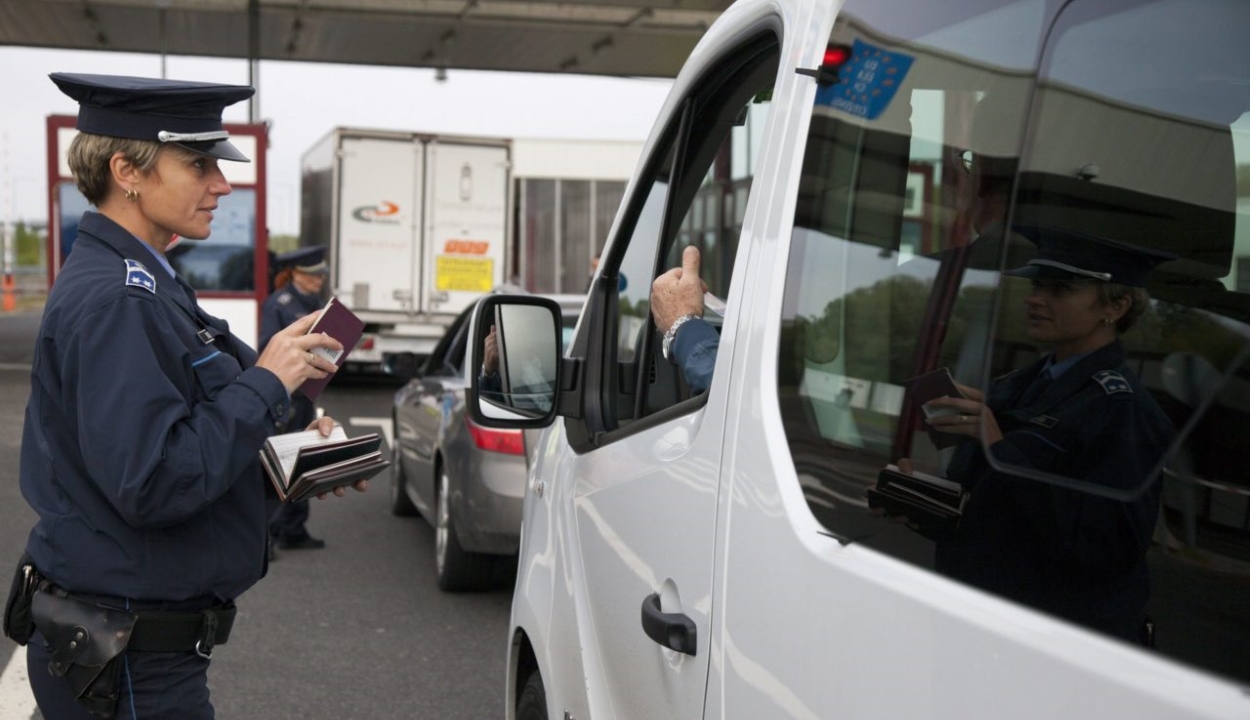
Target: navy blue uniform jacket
140 449
1063 550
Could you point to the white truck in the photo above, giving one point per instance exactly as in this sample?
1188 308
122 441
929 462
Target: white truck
420 225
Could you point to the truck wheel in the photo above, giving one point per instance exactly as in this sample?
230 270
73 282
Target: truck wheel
458 569
532 704
400 503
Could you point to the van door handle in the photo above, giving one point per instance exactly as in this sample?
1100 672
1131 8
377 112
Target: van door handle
675 631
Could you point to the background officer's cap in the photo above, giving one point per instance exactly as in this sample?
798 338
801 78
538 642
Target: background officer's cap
311 260
184 113
1063 253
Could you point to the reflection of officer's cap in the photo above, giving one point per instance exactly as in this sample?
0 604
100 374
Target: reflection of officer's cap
184 113
311 260
1063 253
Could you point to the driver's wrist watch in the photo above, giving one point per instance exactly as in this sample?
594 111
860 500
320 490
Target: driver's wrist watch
669 336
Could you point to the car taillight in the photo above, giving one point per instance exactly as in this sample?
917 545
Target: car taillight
366 342
508 442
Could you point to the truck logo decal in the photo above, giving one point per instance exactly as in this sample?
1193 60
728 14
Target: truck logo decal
385 212
466 247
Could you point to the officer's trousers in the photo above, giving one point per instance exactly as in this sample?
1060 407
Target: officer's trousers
153 686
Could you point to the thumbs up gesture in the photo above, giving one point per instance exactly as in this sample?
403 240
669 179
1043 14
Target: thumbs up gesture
678 292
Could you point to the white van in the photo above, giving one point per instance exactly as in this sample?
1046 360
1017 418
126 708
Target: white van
858 176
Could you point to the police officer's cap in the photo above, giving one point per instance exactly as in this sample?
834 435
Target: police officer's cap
311 260
1064 253
184 113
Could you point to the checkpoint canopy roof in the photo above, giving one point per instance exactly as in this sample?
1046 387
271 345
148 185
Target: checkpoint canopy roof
649 38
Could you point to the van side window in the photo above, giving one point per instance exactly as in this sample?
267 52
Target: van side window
1092 467
696 195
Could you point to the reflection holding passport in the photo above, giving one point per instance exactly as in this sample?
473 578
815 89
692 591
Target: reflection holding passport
1079 412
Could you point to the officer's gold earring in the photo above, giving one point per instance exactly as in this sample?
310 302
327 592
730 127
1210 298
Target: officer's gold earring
132 195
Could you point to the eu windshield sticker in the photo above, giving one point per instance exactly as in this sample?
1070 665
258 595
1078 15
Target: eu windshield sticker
867 82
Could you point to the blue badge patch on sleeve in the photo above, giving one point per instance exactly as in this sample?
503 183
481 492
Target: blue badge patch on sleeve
1112 382
138 276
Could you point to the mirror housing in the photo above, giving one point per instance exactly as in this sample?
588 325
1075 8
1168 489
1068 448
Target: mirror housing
514 361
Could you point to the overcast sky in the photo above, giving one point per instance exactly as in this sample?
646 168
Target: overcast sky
304 101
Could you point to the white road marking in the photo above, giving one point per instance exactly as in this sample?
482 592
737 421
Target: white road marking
15 366
378 422
15 698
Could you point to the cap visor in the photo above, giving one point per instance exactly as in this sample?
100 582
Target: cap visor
220 149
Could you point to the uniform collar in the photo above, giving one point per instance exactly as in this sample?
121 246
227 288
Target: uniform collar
1072 380
130 247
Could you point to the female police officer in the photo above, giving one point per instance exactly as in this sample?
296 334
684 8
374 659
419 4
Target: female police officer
1080 413
145 418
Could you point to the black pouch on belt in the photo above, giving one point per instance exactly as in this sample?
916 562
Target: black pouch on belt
86 641
18 625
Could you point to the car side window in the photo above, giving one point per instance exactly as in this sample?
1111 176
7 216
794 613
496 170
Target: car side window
1103 487
696 194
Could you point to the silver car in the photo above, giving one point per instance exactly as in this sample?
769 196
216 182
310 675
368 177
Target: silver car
466 480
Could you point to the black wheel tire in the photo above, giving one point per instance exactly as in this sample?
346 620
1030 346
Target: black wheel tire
401 505
458 570
532 703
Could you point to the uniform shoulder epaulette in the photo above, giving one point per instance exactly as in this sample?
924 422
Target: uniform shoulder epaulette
138 276
1112 382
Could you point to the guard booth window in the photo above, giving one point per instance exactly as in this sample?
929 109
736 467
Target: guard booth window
916 195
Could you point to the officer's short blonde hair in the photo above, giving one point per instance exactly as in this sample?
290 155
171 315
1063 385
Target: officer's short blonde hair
89 156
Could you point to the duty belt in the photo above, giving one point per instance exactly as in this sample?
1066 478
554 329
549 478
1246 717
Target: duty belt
170 631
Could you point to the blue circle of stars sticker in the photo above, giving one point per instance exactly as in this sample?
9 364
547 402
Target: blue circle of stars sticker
867 81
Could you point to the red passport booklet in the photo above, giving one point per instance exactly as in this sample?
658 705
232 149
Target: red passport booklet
341 324
930 386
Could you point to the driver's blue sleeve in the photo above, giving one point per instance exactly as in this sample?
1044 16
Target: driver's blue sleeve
694 348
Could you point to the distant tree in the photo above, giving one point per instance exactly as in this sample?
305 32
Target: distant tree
283 243
28 246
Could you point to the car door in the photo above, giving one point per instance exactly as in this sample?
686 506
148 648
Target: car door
641 507
420 414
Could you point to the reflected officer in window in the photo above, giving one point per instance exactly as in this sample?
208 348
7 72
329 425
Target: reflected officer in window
298 287
1080 413
140 451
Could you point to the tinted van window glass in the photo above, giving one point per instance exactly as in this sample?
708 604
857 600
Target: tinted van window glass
1092 466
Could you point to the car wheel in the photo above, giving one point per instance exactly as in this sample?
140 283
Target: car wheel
400 503
458 569
532 704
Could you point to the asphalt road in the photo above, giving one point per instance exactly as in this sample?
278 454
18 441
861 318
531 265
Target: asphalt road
357 630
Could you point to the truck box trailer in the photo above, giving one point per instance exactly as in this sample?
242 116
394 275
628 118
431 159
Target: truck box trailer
420 225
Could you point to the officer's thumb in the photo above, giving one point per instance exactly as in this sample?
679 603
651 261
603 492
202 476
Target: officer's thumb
690 262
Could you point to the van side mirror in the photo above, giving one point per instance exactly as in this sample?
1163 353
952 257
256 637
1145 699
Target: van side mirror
514 360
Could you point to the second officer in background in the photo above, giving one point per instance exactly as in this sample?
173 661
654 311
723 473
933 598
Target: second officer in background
298 292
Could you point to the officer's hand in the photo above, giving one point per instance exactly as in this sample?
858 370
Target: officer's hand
970 418
325 425
678 292
288 354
